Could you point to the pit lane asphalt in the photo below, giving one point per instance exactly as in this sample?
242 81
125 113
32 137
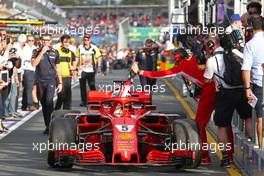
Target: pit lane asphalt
18 158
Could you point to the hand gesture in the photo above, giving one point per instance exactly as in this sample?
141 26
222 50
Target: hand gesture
135 67
59 88
249 95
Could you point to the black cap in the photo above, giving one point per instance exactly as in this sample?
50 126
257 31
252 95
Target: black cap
149 41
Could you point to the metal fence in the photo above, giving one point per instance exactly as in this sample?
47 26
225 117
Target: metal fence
239 124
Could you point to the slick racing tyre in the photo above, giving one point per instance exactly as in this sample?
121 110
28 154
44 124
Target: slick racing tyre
63 131
185 131
61 113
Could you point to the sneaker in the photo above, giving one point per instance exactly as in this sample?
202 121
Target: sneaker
24 109
225 163
82 105
36 105
31 108
46 131
9 117
17 114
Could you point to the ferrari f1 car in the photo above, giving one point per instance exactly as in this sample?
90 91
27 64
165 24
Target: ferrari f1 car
122 128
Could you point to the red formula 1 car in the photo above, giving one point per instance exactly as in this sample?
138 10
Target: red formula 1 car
122 129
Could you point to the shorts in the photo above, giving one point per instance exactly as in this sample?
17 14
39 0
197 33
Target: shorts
228 100
258 92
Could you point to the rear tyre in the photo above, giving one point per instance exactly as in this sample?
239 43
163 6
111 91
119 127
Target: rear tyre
63 131
185 131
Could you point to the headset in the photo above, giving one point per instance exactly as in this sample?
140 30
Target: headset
210 44
65 50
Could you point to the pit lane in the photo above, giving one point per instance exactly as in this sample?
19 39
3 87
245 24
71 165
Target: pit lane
18 158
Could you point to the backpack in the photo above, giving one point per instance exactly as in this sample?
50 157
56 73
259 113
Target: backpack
232 74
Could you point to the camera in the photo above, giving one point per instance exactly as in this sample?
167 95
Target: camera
195 46
231 41
4 75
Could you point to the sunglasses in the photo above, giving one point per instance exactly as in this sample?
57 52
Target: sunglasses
46 40
252 12
86 39
30 40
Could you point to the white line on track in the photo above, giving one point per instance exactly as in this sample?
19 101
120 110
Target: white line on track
27 117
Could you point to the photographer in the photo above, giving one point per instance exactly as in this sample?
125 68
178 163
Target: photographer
47 63
236 26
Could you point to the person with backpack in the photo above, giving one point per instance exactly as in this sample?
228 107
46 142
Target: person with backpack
252 69
230 93
88 55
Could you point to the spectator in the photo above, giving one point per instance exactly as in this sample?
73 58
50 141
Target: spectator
3 84
104 62
253 8
252 69
4 55
28 76
19 46
10 102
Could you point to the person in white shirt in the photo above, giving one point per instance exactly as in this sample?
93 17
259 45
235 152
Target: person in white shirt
121 54
29 74
88 56
252 69
228 98
19 45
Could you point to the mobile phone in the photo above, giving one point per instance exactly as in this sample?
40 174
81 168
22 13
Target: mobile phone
8 40
4 76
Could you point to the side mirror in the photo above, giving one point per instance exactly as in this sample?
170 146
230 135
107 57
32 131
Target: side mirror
150 107
94 107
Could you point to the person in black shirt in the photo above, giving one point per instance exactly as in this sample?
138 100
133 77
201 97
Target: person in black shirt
146 59
48 76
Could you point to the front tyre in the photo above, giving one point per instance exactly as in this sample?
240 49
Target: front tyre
62 131
185 131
